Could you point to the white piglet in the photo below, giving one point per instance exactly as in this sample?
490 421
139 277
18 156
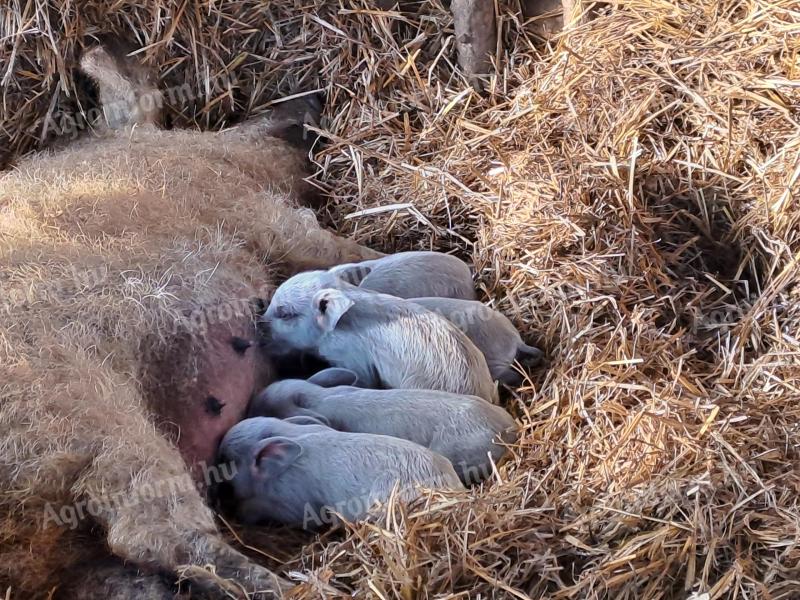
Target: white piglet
300 475
411 275
491 332
387 341
467 430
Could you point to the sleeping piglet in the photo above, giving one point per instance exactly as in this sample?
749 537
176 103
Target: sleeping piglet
411 275
297 474
463 429
387 341
491 332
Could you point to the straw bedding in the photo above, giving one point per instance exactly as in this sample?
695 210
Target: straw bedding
628 196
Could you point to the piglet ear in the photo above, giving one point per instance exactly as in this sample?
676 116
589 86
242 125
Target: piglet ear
353 273
329 306
333 377
275 455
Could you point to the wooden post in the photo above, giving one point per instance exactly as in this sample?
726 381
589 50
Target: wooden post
476 35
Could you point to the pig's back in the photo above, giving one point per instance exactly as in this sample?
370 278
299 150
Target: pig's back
402 345
417 274
437 356
413 415
490 330
352 462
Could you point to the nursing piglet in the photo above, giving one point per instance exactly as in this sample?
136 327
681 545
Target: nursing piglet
491 332
298 474
463 429
388 342
411 275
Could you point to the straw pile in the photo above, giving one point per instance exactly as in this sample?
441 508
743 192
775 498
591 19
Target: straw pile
628 196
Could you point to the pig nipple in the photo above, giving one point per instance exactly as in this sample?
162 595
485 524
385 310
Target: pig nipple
214 406
240 345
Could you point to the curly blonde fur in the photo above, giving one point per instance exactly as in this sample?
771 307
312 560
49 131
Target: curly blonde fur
119 256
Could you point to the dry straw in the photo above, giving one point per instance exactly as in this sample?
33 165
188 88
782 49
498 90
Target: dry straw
628 195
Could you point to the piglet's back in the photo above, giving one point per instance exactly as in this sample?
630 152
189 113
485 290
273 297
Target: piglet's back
410 347
348 463
417 274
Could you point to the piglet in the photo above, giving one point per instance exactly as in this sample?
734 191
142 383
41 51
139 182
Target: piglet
491 332
463 429
411 275
387 341
299 474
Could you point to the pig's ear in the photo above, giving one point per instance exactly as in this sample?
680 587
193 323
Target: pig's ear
333 377
329 306
353 273
317 419
275 455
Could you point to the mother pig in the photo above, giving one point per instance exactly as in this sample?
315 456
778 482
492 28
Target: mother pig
127 265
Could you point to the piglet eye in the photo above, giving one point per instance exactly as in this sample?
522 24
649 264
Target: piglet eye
284 313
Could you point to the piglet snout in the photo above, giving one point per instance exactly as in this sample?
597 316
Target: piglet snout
268 341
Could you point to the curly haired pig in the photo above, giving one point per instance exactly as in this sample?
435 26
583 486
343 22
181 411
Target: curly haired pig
299 474
411 275
491 332
128 263
463 429
388 342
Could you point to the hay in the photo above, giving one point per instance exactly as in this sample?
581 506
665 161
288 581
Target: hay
629 199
